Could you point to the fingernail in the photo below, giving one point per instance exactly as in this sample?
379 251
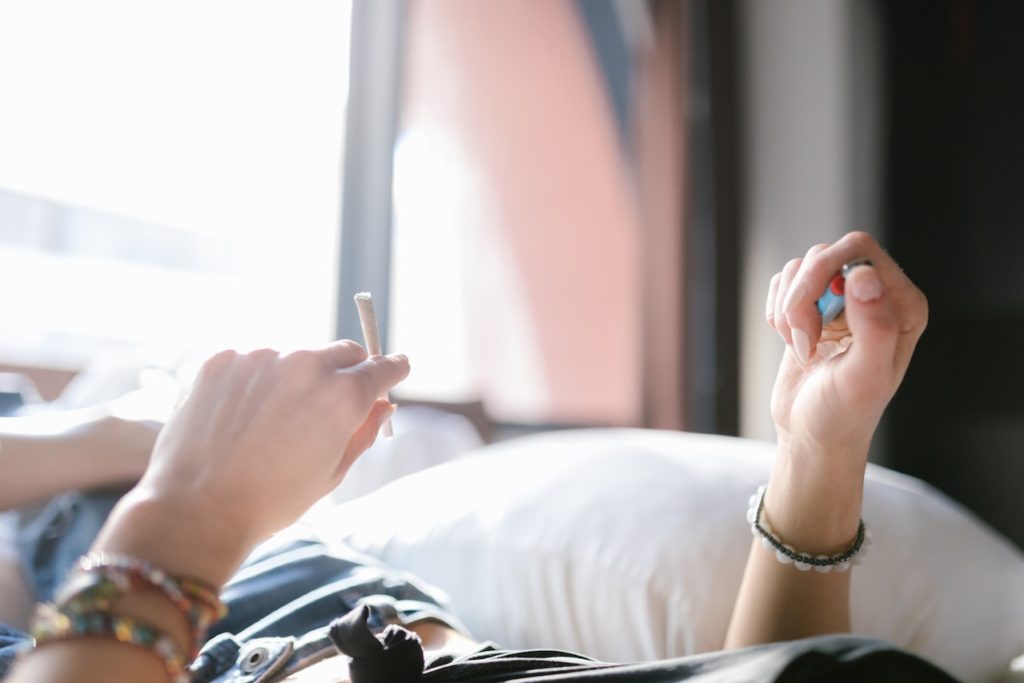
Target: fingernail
801 344
866 285
796 293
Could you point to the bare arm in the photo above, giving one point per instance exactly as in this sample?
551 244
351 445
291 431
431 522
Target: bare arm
826 405
259 440
43 455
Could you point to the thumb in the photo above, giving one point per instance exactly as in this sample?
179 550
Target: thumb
874 325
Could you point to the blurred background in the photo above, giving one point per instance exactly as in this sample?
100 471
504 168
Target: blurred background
567 211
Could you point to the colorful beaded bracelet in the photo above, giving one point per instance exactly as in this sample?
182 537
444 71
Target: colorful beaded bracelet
107 574
99 578
785 553
51 625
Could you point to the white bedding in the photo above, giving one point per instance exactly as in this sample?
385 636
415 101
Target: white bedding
537 540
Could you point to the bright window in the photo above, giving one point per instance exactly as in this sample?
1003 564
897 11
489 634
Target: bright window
169 174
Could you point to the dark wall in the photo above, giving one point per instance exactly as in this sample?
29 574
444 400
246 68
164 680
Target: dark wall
955 222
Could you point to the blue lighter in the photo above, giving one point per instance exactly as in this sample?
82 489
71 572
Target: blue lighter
831 303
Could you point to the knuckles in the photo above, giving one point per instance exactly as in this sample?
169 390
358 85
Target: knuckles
263 354
920 321
817 269
219 362
351 347
303 361
816 249
859 240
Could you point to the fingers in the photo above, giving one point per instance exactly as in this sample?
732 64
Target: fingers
781 325
784 287
343 354
885 312
818 270
875 326
366 434
805 338
343 368
365 378
769 306
374 377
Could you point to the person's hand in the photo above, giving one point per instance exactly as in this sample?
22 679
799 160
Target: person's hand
832 387
834 383
261 437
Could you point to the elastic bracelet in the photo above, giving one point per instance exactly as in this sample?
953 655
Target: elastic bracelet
785 553
52 625
99 578
177 588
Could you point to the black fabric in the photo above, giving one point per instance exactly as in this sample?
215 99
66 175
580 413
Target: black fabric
835 659
397 657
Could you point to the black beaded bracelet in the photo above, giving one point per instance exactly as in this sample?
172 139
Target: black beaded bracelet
787 555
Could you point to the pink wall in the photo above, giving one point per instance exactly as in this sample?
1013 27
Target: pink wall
515 83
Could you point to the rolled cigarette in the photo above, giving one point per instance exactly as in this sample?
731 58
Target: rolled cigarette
371 336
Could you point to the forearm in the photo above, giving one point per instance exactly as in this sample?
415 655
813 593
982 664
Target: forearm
834 381
38 467
42 455
813 504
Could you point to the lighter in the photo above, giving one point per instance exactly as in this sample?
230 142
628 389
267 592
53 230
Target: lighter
831 303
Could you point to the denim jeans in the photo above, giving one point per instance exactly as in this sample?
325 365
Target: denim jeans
12 641
285 588
49 538
52 536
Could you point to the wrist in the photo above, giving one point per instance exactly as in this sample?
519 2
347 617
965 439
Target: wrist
846 452
175 535
814 499
119 447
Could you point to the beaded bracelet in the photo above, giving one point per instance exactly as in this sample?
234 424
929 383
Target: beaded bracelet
99 578
785 554
103 576
51 625
175 587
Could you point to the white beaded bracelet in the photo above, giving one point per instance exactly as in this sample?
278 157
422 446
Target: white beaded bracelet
787 555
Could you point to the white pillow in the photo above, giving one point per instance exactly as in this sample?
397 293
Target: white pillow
630 544
424 437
